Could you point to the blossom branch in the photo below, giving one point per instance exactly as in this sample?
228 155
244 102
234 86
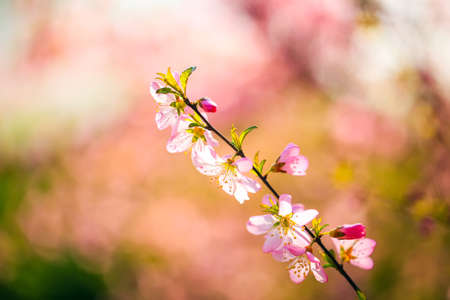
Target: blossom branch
239 152
287 236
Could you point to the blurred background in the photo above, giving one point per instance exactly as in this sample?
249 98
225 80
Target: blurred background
93 207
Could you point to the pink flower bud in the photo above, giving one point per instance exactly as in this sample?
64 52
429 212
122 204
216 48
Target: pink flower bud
291 162
349 232
207 105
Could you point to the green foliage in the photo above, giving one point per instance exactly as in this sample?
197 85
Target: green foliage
238 140
317 227
170 80
361 295
330 263
244 134
185 76
259 165
36 278
172 87
164 90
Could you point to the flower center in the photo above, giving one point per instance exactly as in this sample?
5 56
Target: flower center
347 254
198 132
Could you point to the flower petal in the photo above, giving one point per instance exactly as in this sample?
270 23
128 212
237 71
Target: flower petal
164 99
269 200
244 164
210 139
290 150
227 182
260 224
295 250
180 142
240 193
365 263
249 184
297 207
285 206
319 272
282 255
363 247
205 159
165 117
273 241
296 166
300 238
299 269
304 217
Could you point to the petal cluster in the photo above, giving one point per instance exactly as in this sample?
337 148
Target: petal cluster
357 252
291 161
299 268
285 237
228 171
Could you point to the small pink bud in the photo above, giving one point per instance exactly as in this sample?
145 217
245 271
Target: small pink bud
207 105
349 232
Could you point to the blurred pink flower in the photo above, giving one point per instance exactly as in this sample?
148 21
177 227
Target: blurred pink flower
349 232
207 162
356 252
285 236
356 126
208 105
292 162
299 268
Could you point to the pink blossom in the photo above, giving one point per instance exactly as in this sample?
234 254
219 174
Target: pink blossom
291 162
183 136
167 115
227 170
349 232
284 233
208 105
356 252
299 268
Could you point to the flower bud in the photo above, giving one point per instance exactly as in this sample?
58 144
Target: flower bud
207 105
349 232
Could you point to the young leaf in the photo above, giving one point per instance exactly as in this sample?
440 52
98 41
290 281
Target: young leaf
256 159
235 138
170 80
261 165
361 295
244 134
329 260
164 90
185 76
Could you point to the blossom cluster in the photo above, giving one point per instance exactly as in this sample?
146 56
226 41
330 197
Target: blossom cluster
290 231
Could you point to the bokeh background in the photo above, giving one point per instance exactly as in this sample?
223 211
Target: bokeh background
93 207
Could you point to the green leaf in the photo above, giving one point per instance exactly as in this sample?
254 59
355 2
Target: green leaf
164 90
234 137
261 165
185 76
361 295
170 80
256 159
328 259
244 134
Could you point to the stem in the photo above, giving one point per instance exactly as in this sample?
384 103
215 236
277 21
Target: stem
316 239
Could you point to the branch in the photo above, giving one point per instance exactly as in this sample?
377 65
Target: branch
316 239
